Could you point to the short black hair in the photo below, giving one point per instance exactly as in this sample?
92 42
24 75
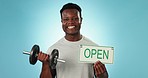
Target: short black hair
71 6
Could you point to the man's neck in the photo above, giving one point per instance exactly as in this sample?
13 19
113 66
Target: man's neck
73 37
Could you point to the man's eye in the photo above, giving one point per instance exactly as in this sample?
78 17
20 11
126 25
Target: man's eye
66 19
76 19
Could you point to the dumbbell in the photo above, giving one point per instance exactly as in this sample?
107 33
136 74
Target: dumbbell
53 59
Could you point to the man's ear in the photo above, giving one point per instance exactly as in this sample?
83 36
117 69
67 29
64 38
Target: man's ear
61 20
81 20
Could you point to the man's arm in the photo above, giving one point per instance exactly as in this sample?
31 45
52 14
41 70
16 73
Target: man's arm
46 72
100 70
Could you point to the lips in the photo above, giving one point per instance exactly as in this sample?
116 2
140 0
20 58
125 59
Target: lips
71 27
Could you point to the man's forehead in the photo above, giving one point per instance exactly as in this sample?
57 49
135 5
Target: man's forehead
70 10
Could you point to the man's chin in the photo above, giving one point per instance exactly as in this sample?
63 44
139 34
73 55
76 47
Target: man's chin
72 33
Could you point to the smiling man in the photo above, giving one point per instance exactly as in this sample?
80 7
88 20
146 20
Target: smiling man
69 48
71 23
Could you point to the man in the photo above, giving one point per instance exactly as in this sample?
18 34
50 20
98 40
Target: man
68 47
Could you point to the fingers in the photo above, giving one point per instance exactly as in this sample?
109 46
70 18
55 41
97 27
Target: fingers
43 57
99 68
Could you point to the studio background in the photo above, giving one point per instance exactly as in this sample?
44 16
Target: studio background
122 24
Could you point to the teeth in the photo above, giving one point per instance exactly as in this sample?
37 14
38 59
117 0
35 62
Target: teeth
70 27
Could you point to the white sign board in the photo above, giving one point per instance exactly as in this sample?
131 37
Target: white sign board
91 54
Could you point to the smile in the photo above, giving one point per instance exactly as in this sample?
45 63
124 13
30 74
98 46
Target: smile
71 27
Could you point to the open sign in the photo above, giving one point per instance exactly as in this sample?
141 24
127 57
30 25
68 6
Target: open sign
91 54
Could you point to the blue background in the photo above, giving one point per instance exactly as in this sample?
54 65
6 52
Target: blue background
122 24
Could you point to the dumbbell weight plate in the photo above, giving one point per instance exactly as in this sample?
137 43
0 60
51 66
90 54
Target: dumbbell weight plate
53 58
33 56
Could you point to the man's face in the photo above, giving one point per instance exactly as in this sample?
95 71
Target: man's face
71 21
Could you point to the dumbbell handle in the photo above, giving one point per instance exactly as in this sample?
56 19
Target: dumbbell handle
29 53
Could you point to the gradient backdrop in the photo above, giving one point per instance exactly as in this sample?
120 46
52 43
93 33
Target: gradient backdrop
122 24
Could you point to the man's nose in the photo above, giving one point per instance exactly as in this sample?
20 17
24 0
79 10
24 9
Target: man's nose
71 21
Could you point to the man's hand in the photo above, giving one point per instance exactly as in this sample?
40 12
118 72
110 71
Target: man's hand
44 58
100 70
46 72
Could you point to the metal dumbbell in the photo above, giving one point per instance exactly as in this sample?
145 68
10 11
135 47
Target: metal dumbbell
53 59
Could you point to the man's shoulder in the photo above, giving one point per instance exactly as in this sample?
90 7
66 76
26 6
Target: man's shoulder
55 45
87 41
60 41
